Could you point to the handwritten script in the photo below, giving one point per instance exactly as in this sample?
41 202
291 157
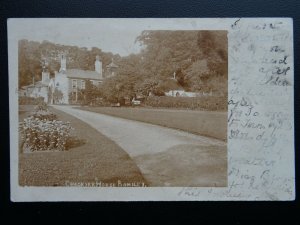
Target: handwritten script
260 113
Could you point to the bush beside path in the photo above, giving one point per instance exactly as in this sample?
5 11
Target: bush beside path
95 160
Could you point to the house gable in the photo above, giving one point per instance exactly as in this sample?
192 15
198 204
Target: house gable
83 74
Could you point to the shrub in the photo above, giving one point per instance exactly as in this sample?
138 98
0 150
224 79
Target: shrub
41 112
99 102
209 103
24 100
42 134
42 106
44 115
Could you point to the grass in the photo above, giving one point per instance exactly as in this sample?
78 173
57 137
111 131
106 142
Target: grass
98 161
186 165
211 124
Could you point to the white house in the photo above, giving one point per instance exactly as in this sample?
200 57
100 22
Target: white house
70 81
111 69
180 93
67 82
39 88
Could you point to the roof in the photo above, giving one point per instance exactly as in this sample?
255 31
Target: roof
172 84
83 74
111 65
36 84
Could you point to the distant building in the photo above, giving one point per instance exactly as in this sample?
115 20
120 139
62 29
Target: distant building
22 92
181 93
40 88
175 89
67 82
111 69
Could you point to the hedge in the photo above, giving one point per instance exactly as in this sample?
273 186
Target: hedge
24 100
208 103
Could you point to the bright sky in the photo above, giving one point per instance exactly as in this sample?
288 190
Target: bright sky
111 35
116 36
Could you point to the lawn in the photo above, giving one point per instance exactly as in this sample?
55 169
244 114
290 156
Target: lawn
186 165
96 160
211 124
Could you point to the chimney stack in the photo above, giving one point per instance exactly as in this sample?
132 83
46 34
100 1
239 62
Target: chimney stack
63 63
98 66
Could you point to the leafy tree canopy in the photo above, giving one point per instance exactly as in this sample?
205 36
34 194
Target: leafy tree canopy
190 60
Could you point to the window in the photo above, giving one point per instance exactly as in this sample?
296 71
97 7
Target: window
74 84
57 84
82 84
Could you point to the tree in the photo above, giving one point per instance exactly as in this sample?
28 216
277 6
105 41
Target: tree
196 57
199 76
57 95
110 90
90 93
119 87
206 42
150 85
180 77
31 52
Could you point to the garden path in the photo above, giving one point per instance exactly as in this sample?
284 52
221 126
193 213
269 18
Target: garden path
149 144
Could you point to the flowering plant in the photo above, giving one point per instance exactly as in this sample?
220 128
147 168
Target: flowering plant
42 106
42 134
44 115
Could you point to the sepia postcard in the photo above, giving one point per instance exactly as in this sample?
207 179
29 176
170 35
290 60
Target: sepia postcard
185 109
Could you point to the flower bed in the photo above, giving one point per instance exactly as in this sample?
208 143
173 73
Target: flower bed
41 131
42 106
42 135
44 115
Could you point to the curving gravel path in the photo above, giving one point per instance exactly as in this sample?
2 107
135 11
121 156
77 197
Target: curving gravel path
165 156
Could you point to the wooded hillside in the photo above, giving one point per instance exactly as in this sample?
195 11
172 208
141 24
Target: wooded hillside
32 52
197 59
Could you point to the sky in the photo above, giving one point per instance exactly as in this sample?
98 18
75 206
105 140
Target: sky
113 36
109 34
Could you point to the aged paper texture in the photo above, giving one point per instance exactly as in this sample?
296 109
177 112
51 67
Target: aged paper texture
151 109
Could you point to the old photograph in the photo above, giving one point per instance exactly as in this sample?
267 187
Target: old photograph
140 109
114 107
